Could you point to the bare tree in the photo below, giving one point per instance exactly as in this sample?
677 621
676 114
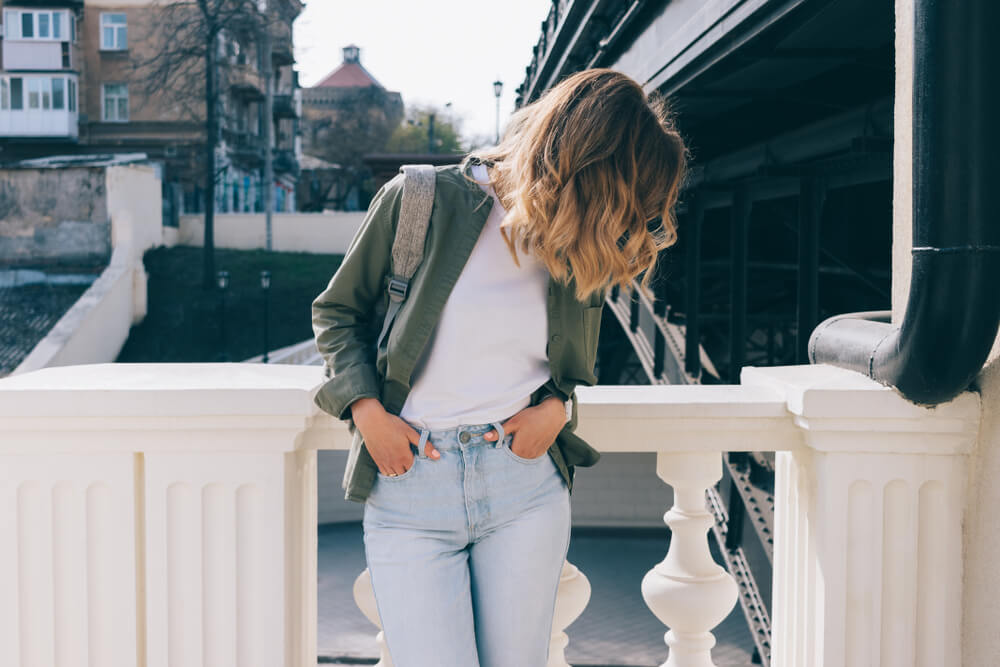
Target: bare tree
179 67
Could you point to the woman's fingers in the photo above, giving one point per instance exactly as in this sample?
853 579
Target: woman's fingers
509 426
413 436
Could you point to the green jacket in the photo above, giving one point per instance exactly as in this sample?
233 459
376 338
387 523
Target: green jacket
343 320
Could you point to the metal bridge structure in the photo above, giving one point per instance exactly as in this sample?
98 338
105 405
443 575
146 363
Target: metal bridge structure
786 218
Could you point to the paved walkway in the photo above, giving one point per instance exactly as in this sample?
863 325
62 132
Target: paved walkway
616 629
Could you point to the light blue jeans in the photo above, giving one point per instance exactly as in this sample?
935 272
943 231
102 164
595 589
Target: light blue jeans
465 552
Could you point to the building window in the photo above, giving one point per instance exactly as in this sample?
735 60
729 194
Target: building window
43 93
113 29
38 24
39 93
58 93
233 51
115 103
16 93
34 93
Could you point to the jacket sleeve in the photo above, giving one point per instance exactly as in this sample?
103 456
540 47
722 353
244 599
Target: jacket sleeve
550 389
341 314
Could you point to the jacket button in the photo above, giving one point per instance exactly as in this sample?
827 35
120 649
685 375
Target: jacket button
464 436
555 338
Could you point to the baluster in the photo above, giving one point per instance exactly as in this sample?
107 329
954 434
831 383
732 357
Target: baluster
571 599
364 597
688 591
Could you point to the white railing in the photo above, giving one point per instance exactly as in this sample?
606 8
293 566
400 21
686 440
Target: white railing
329 232
165 514
303 353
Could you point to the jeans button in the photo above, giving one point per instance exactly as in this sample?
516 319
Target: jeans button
464 436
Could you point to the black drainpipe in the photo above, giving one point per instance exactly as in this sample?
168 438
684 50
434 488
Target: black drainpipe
953 309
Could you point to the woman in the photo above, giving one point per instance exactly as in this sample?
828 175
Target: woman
463 449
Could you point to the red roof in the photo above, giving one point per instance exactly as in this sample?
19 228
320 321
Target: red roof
349 75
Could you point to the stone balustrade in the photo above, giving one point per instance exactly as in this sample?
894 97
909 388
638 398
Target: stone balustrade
165 514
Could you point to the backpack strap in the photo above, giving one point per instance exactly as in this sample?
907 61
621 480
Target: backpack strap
411 230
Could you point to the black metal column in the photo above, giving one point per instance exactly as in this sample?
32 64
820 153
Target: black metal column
660 308
812 193
738 281
692 267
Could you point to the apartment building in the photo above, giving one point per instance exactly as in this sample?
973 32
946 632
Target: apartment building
74 80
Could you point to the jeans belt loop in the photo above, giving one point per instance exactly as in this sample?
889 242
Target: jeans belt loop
424 432
500 433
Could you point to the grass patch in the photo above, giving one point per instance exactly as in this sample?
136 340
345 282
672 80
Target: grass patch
183 320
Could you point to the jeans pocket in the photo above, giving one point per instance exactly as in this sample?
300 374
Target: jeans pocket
398 478
506 447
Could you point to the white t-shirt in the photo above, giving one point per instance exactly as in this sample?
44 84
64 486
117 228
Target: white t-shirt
486 355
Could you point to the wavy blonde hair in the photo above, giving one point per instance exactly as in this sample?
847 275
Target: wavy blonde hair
582 172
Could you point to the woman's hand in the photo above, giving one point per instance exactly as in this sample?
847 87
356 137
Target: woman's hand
387 436
536 428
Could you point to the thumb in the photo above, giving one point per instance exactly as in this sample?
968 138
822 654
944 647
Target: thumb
511 425
431 450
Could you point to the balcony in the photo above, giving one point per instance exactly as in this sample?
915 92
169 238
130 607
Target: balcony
286 106
39 123
45 4
286 162
192 491
244 146
245 82
281 48
25 55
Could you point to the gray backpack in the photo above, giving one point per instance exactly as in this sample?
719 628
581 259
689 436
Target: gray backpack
408 244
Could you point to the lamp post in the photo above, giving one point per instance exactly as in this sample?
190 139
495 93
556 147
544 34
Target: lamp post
497 89
265 284
430 132
222 280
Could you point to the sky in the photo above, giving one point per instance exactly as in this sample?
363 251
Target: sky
430 51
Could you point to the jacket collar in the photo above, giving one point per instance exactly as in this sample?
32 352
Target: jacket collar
464 174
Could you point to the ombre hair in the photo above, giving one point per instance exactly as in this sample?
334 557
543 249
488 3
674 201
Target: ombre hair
584 172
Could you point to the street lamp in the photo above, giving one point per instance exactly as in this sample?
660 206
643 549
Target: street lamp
265 284
222 280
430 132
497 89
